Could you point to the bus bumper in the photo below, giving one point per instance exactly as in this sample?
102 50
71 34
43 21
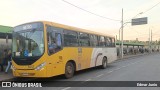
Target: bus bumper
29 73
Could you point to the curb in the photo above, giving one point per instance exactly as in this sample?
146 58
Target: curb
135 56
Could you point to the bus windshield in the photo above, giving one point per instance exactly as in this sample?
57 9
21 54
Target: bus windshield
27 43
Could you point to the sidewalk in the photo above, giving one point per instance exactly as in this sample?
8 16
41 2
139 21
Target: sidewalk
5 76
131 55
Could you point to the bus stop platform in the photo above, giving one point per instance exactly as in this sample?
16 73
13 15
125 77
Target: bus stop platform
131 55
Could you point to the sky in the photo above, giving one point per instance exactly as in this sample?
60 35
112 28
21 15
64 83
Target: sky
15 12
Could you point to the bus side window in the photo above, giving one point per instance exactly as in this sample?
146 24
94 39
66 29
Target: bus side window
58 41
93 40
102 41
54 40
107 42
51 42
84 39
70 38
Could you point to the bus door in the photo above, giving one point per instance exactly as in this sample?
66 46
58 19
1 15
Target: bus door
80 62
83 49
55 59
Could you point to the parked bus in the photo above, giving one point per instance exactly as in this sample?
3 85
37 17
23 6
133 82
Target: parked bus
46 49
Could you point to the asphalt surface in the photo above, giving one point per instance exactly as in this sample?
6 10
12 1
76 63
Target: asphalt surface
140 68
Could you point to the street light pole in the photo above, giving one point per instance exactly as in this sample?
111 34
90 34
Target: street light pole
122 26
122 36
120 42
151 40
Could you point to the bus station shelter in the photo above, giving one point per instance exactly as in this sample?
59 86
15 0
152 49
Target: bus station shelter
5 39
5 32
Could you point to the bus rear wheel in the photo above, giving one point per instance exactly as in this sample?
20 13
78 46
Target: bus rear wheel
104 63
69 70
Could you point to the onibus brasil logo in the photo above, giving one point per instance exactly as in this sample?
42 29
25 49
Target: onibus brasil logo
18 84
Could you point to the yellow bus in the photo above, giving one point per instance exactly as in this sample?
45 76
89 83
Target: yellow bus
46 49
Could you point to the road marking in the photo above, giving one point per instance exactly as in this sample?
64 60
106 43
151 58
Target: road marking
122 67
136 62
88 80
109 72
116 69
130 64
66 88
100 75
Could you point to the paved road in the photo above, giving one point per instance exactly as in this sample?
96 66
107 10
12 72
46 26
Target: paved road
141 68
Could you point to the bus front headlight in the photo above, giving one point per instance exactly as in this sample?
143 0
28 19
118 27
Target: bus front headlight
39 67
13 68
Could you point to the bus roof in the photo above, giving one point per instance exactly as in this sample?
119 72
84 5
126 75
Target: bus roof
72 28
75 28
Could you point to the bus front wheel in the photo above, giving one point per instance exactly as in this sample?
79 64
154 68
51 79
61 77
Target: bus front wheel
69 70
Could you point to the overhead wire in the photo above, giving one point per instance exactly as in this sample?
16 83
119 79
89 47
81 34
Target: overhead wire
151 7
89 11
107 17
144 11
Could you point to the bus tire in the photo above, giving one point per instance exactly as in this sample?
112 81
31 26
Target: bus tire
69 70
104 63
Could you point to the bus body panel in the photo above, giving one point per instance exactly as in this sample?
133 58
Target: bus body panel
91 57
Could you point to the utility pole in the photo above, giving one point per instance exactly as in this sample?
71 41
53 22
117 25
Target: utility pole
149 46
122 36
119 43
151 40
